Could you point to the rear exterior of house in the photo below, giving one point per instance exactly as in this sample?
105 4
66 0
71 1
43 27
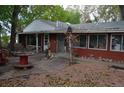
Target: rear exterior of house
56 41
100 40
101 46
42 33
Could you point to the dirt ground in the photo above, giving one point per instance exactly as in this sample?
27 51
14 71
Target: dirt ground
57 73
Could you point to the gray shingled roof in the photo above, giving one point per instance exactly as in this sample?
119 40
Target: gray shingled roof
43 26
100 26
39 25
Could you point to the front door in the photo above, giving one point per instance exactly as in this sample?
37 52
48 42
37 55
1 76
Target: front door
61 39
46 41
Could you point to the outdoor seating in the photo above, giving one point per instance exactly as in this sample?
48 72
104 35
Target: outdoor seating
4 56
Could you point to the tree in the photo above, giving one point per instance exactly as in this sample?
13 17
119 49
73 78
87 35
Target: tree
5 18
14 20
4 38
73 14
122 11
100 13
9 18
47 12
73 17
108 13
86 11
0 37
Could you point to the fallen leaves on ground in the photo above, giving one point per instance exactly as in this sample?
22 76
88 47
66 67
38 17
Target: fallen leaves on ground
78 75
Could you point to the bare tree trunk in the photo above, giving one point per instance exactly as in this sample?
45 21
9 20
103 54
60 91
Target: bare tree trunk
0 37
0 41
122 11
16 10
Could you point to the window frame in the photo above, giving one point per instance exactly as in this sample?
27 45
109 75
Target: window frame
122 36
86 42
97 42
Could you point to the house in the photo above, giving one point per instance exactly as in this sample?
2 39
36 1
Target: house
100 40
41 33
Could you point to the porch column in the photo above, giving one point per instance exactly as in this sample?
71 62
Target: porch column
36 43
17 38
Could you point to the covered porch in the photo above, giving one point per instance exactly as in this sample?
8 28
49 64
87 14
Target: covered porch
41 34
31 41
39 42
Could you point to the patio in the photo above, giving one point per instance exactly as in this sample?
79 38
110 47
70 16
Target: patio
57 72
41 65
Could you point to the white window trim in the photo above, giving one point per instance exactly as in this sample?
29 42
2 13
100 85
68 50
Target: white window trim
97 42
111 43
44 40
79 47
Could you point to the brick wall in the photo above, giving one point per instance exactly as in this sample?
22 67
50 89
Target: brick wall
114 55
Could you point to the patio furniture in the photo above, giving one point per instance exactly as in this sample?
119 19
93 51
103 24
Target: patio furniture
4 54
23 61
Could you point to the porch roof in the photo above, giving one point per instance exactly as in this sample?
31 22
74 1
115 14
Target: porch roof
39 25
43 26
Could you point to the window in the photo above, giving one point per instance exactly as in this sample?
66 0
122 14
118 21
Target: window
117 42
93 41
102 41
31 39
46 39
123 43
81 41
97 41
39 39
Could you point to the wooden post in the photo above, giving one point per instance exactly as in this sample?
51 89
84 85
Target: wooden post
69 36
36 43
70 48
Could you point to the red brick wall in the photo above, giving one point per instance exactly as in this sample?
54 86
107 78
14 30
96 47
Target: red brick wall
114 55
117 56
53 42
